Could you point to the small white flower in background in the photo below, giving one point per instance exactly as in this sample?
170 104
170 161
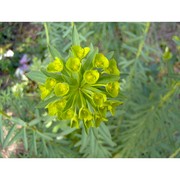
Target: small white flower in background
18 88
19 73
9 53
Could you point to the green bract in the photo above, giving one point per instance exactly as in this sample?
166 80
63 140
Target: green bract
68 114
84 90
55 107
61 89
99 98
101 61
98 119
74 121
44 91
85 114
52 109
112 69
111 105
50 83
80 52
91 76
113 88
55 66
73 64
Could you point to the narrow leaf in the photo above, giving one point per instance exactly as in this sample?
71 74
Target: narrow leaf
25 139
56 76
9 136
43 104
75 36
34 122
104 131
110 55
93 143
16 137
68 131
34 143
54 52
45 146
42 135
84 140
4 114
18 121
36 76
107 79
1 130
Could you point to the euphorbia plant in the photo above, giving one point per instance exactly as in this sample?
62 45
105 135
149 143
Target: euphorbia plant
81 87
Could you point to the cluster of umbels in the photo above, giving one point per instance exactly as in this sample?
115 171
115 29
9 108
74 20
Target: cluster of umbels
80 87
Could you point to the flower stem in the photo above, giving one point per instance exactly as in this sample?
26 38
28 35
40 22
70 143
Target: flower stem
47 33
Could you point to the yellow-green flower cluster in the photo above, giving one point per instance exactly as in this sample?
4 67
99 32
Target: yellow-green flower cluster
81 87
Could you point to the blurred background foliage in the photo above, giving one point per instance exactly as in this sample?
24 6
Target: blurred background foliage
146 125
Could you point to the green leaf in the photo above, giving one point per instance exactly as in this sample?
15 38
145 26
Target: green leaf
34 122
45 147
176 39
84 138
43 104
68 131
44 136
104 131
93 143
56 76
34 143
110 55
174 76
25 139
4 114
54 52
108 78
9 136
1 130
16 137
37 76
75 36
18 121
